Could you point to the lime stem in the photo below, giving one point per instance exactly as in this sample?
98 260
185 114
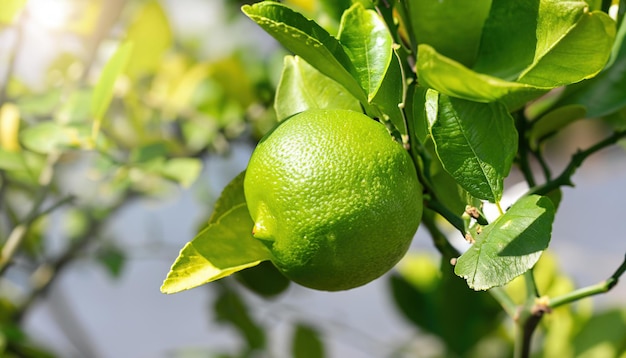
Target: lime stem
601 287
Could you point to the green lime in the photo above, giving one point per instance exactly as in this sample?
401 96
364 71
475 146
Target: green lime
334 198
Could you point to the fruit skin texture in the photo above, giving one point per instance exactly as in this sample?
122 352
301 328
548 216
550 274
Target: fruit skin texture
334 198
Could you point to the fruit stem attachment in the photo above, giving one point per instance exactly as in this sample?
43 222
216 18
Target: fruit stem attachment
601 287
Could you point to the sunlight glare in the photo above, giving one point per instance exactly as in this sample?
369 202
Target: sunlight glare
53 14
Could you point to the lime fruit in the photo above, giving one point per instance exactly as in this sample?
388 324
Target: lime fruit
334 198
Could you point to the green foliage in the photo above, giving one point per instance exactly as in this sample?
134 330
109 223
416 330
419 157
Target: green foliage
219 249
509 246
429 294
456 82
127 114
475 90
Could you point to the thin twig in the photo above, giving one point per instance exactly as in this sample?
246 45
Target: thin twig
565 178
601 287
18 234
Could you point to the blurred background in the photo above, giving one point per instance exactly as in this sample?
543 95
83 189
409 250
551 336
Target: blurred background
102 210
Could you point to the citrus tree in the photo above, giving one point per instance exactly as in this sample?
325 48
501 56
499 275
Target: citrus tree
129 112
468 92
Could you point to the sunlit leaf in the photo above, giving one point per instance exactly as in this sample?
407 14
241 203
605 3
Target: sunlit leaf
308 40
453 79
302 87
103 92
518 32
9 127
368 42
151 36
476 143
509 246
220 249
568 58
603 94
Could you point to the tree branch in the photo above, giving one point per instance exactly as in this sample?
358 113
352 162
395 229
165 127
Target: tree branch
565 178
588 291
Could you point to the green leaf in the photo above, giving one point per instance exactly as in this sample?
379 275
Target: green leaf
418 110
509 246
391 94
518 32
365 36
231 308
429 295
602 335
302 87
220 249
565 58
476 143
148 152
453 79
48 136
307 343
151 36
112 258
185 171
603 94
263 279
454 27
232 195
103 92
308 40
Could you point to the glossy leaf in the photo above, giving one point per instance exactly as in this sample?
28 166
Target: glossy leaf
103 91
509 246
220 249
390 96
603 94
302 87
518 32
368 42
564 58
453 79
475 142
454 27
308 40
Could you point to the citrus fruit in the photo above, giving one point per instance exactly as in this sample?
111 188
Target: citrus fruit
334 198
